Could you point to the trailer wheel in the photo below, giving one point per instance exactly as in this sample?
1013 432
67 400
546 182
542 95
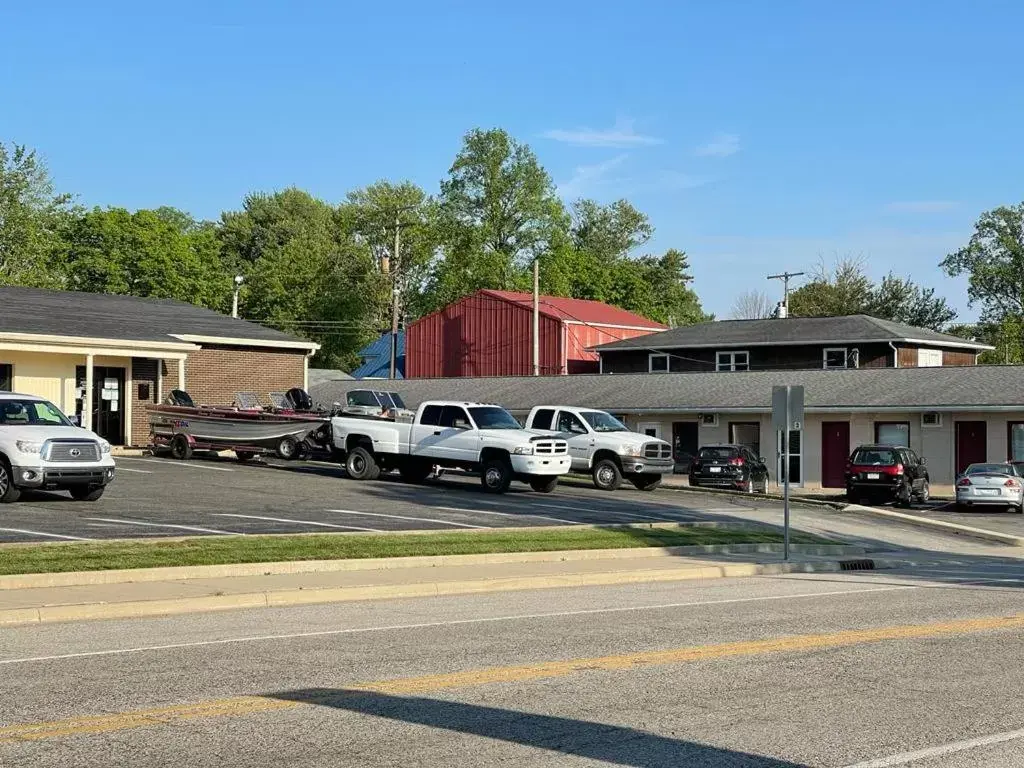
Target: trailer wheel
287 448
362 465
181 448
544 484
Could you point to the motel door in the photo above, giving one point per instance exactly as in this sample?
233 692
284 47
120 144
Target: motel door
835 450
108 401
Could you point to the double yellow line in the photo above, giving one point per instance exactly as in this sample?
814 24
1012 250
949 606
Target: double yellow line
246 705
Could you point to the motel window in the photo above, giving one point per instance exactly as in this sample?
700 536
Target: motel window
747 434
732 361
834 358
657 363
6 377
892 432
1015 448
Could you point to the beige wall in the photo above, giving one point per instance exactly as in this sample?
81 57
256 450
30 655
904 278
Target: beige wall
46 375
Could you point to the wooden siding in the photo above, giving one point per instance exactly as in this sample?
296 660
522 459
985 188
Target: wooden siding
959 357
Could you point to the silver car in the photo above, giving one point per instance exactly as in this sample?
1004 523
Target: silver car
990 484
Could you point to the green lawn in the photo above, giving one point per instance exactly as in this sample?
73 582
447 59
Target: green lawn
219 550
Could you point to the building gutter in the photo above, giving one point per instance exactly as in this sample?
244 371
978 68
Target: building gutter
727 344
895 355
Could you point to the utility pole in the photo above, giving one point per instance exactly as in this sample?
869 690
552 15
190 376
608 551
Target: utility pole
785 278
536 317
395 272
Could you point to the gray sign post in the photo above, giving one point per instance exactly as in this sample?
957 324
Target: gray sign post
787 416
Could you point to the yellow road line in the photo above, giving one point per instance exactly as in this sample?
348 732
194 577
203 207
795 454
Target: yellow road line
245 705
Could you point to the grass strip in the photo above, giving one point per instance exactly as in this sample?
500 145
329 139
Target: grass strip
221 550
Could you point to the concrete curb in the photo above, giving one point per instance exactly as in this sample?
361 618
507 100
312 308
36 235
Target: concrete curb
292 597
927 522
138 575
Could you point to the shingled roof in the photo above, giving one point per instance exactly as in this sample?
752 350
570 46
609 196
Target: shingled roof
106 316
847 329
873 389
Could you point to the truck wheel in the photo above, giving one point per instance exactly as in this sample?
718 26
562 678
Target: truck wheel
496 476
607 475
415 472
85 493
181 448
544 484
9 493
362 465
287 448
646 482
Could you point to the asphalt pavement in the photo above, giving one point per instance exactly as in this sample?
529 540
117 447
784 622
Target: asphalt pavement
919 667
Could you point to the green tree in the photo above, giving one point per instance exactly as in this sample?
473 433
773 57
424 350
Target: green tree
993 261
903 300
162 253
33 218
304 271
658 287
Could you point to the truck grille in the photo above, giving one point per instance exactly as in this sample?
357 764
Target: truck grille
550 447
70 451
657 451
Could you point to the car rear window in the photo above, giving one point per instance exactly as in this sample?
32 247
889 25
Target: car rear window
711 454
875 457
990 469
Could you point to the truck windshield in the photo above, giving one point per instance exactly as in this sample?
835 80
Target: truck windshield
493 418
31 413
603 422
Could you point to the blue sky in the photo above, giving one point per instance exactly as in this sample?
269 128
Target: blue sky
758 136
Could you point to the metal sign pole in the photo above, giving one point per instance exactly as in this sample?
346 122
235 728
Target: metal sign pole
785 487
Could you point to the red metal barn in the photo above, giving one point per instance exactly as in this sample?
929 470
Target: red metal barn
489 333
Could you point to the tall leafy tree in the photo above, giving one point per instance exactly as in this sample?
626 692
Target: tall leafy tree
33 218
658 287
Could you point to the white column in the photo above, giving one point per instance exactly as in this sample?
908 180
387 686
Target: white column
159 381
305 371
126 400
87 400
181 373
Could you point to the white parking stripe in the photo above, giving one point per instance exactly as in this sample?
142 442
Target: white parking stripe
140 471
181 464
510 514
945 749
122 521
47 535
405 517
298 522
593 511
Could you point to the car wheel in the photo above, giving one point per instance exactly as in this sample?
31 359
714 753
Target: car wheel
646 482
287 448
496 476
361 465
9 493
607 475
86 493
544 484
764 486
925 493
181 448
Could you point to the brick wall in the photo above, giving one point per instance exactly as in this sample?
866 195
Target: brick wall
214 374
143 393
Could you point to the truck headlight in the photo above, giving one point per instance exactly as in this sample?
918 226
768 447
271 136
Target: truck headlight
27 446
523 450
104 447
631 450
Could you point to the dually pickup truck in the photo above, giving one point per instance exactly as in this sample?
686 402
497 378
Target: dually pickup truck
41 449
473 436
604 447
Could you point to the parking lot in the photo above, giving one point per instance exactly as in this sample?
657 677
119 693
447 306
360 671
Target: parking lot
154 497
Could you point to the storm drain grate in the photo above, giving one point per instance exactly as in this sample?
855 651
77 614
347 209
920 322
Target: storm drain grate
857 565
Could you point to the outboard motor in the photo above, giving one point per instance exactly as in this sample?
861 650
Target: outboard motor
180 398
300 399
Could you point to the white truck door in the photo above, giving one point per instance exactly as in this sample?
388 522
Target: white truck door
582 441
464 442
427 433
439 432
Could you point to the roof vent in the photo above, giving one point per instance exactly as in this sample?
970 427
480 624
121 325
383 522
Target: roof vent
781 311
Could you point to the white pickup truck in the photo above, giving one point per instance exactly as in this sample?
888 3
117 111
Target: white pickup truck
40 448
604 447
474 436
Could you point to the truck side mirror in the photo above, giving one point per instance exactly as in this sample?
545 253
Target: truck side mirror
460 424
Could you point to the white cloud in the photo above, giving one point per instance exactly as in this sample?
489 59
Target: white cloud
721 145
921 206
620 135
586 178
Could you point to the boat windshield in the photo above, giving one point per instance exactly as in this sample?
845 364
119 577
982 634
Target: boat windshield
363 397
603 422
492 417
392 400
31 413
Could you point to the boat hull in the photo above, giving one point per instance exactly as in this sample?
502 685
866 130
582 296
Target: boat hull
229 430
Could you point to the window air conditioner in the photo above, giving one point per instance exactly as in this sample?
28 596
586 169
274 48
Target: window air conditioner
931 419
708 419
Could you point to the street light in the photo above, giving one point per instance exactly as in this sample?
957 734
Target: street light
234 301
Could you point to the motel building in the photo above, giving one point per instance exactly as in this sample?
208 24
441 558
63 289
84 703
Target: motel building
102 358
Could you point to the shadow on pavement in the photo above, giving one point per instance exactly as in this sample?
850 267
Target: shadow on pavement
612 744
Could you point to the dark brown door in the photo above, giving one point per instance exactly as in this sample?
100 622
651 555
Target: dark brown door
684 443
835 450
971 439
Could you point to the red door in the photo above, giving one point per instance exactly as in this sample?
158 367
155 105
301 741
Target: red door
835 450
971 439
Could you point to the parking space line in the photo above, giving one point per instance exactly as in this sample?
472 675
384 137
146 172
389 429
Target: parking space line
122 521
592 511
47 535
405 517
510 514
140 471
181 464
299 522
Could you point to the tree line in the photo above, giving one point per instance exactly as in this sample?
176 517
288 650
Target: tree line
327 271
